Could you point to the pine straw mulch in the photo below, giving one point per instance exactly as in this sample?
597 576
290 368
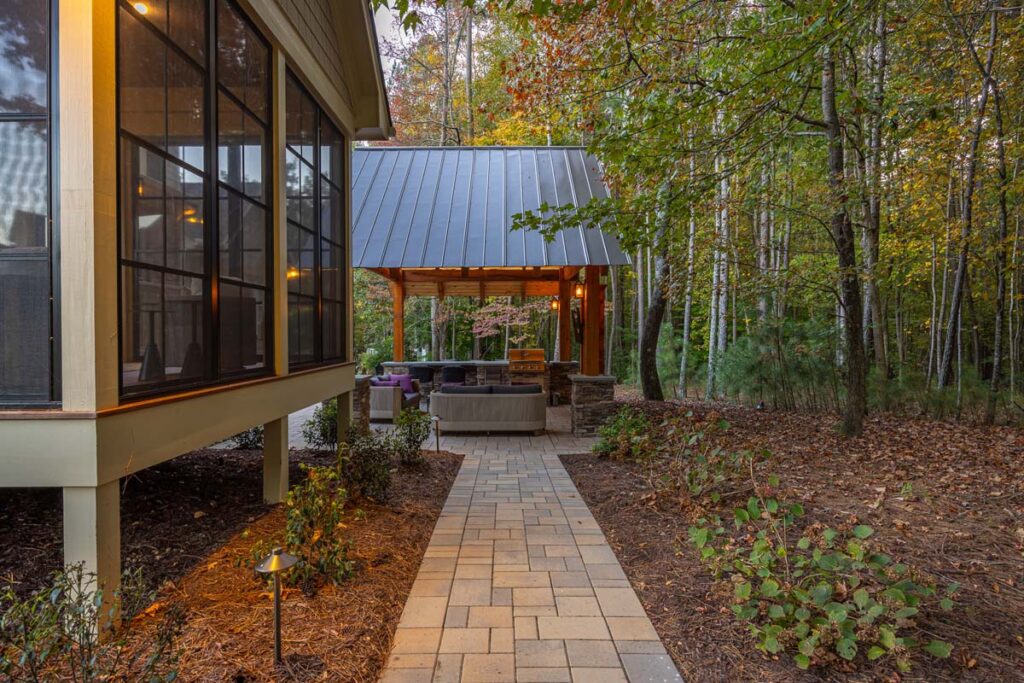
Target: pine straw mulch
190 523
961 520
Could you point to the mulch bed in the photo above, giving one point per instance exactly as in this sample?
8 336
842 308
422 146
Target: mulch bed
190 524
961 519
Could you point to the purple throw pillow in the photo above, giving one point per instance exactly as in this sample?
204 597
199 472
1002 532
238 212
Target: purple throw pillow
404 381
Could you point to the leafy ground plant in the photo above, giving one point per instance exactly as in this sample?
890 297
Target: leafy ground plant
824 596
66 632
625 436
249 440
365 463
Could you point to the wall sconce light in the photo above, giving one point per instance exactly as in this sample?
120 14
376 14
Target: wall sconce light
275 563
554 304
293 273
578 290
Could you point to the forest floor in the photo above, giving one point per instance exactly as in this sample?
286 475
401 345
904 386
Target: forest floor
190 525
947 499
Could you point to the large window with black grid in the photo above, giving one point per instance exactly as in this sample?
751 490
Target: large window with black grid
29 359
194 115
314 181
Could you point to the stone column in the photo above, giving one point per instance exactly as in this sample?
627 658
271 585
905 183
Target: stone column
92 535
593 402
275 460
361 404
559 384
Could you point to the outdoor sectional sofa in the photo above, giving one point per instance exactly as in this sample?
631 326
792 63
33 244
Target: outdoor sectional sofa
490 408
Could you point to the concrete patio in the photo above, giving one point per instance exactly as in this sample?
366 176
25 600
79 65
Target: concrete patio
518 582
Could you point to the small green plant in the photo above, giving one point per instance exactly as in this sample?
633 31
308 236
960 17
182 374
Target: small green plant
65 632
365 463
313 531
824 597
625 436
249 440
412 428
321 430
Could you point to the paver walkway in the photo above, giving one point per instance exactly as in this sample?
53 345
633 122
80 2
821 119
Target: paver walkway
518 582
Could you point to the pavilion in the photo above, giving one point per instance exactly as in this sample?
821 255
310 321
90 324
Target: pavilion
438 222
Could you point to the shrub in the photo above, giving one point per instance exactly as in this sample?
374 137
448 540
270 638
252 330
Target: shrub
366 463
824 598
624 437
313 517
412 428
321 430
249 440
62 632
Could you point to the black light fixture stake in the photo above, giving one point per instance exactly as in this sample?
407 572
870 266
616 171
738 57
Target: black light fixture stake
275 563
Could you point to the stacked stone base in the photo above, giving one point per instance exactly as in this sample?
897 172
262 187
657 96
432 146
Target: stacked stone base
361 404
593 403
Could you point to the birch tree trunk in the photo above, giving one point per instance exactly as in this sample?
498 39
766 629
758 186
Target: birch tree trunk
687 298
967 219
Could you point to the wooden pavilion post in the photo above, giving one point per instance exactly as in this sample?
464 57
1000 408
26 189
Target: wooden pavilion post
591 361
398 311
564 317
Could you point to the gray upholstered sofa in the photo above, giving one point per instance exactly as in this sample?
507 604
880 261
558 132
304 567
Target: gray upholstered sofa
490 408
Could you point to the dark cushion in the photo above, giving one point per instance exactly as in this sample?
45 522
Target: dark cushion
453 373
465 389
422 373
375 382
516 389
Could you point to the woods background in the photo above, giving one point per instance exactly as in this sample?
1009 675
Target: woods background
822 200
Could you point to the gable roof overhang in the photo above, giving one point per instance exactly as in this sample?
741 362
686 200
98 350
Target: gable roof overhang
364 70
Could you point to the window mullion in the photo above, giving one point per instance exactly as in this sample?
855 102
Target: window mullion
211 236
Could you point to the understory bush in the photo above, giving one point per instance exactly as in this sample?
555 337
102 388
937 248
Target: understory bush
412 428
321 430
249 440
785 363
65 632
366 463
624 437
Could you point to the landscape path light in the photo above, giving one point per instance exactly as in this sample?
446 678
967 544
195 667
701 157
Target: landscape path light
275 563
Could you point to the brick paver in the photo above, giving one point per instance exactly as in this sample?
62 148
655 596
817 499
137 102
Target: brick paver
518 583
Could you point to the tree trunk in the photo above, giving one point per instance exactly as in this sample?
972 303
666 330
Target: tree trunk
842 234
874 179
688 297
946 364
1002 233
649 381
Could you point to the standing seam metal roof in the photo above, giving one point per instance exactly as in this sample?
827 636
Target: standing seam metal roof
452 207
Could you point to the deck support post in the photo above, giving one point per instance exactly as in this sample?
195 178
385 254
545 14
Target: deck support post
92 538
275 461
398 312
344 415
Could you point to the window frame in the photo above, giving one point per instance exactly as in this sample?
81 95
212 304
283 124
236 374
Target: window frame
322 117
52 120
213 375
